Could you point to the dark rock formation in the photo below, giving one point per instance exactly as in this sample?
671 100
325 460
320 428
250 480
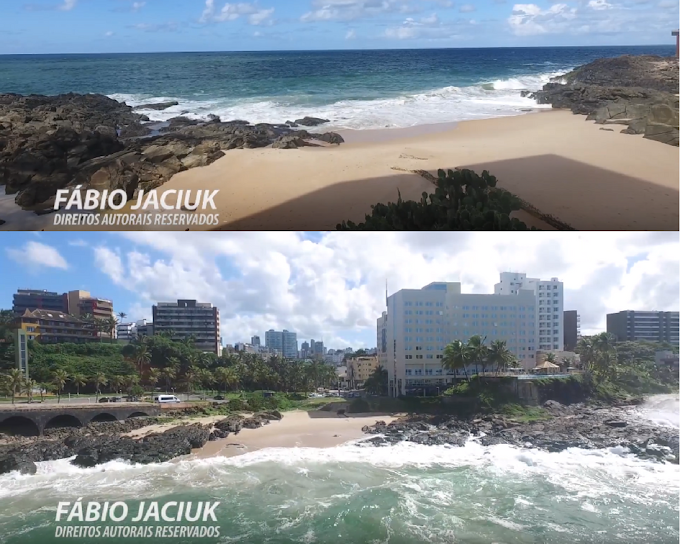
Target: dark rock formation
574 426
59 142
639 92
311 121
159 106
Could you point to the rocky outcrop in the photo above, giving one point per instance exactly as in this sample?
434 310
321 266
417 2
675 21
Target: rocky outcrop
52 143
639 92
311 121
155 448
575 426
158 106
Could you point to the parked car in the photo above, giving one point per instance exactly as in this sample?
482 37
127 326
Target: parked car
132 399
104 399
115 399
218 397
166 399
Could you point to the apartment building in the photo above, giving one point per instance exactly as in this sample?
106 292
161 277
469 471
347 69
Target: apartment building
650 326
283 342
572 329
419 323
188 318
32 299
549 307
77 303
82 303
359 369
50 327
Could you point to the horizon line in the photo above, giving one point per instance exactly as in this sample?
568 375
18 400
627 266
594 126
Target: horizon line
670 46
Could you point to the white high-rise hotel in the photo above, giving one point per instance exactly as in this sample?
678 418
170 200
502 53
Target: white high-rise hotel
418 324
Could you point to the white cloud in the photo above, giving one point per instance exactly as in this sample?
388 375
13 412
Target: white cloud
467 8
348 10
68 5
334 287
599 5
351 34
230 12
530 20
108 35
37 256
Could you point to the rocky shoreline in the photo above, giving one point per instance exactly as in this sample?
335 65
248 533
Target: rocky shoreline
49 143
573 426
638 92
99 443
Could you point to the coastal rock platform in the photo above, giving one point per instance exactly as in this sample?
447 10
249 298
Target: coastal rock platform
49 143
639 92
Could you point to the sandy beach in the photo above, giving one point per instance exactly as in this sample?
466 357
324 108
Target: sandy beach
297 429
586 175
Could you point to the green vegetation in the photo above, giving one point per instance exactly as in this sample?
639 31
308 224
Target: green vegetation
158 363
460 355
462 200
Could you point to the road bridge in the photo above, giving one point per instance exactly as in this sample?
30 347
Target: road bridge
34 419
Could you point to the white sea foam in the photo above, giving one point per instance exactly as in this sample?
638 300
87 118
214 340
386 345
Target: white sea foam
499 98
662 410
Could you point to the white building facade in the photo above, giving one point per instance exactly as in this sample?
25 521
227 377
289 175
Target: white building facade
549 307
419 323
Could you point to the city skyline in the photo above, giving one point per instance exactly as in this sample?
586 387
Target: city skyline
78 26
288 281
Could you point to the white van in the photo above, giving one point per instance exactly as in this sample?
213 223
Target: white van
166 399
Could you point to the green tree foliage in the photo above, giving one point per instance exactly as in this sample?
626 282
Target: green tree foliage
376 383
462 200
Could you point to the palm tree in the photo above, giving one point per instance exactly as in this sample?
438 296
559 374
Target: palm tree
142 357
190 378
59 378
15 381
116 382
226 377
122 315
499 354
29 385
129 382
111 325
377 381
78 380
551 357
98 380
168 374
152 376
478 351
456 356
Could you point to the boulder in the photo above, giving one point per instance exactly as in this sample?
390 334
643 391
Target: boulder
331 138
311 121
157 153
16 462
108 132
289 142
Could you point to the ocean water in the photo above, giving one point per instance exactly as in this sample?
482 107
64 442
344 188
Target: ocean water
354 89
403 494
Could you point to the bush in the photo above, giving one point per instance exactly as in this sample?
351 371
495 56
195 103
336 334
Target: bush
237 405
462 200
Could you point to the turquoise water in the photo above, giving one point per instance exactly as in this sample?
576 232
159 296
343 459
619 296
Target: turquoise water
403 494
354 89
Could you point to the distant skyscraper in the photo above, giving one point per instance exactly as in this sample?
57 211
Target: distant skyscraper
284 342
255 340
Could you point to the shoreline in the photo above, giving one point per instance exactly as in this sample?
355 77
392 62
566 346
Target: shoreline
562 165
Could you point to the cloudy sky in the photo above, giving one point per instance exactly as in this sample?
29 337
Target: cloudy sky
68 26
331 286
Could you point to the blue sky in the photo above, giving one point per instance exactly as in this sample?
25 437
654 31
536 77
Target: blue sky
331 286
70 26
